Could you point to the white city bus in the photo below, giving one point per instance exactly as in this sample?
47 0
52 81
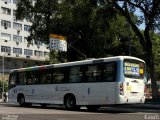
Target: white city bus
91 83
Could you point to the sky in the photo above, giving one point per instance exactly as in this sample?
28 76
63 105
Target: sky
142 26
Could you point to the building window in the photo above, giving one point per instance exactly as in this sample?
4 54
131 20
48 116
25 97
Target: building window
6 1
38 53
28 18
27 28
5 36
5 24
14 15
14 12
28 52
15 64
17 50
25 40
17 26
15 1
17 38
46 54
38 42
6 49
5 11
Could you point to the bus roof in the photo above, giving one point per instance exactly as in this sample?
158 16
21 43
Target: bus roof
75 63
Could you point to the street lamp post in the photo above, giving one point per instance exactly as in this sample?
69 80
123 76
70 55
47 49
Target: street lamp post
3 70
3 76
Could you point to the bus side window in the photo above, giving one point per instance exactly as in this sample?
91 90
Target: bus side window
22 78
13 79
29 80
83 73
92 73
58 75
74 75
98 72
45 77
32 77
110 72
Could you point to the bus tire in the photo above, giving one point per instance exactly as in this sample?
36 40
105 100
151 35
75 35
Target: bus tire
21 101
93 107
70 102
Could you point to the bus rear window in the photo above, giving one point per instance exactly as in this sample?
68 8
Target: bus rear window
134 68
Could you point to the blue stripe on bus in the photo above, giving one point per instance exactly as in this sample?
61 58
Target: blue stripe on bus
120 75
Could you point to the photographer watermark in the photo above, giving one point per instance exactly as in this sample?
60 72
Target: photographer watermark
152 116
9 117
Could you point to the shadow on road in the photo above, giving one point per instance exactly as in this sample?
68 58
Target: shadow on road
108 109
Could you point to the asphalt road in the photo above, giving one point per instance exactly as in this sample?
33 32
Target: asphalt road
14 112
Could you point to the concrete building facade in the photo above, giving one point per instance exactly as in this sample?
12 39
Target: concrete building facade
15 52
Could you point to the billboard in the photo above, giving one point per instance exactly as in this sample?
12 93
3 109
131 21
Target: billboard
58 42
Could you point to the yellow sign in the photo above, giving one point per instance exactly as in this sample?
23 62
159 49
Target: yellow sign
58 42
141 71
57 37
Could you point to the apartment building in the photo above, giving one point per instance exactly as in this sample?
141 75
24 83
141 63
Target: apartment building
15 52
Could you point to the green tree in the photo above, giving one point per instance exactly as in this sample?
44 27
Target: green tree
91 31
124 40
150 13
5 85
40 14
156 50
85 26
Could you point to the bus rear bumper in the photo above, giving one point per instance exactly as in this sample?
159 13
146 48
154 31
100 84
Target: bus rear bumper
130 100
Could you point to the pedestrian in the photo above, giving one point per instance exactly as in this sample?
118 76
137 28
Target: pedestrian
5 96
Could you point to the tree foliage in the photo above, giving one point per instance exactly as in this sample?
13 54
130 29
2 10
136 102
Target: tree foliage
87 27
150 14
5 85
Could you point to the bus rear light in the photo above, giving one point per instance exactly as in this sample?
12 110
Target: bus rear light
121 89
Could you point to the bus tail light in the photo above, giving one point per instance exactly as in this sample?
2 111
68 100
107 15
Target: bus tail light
121 89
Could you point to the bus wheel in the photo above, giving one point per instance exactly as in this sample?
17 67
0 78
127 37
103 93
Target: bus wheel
70 102
93 107
22 101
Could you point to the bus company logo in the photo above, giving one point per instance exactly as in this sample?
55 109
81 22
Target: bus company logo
152 117
61 88
9 117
